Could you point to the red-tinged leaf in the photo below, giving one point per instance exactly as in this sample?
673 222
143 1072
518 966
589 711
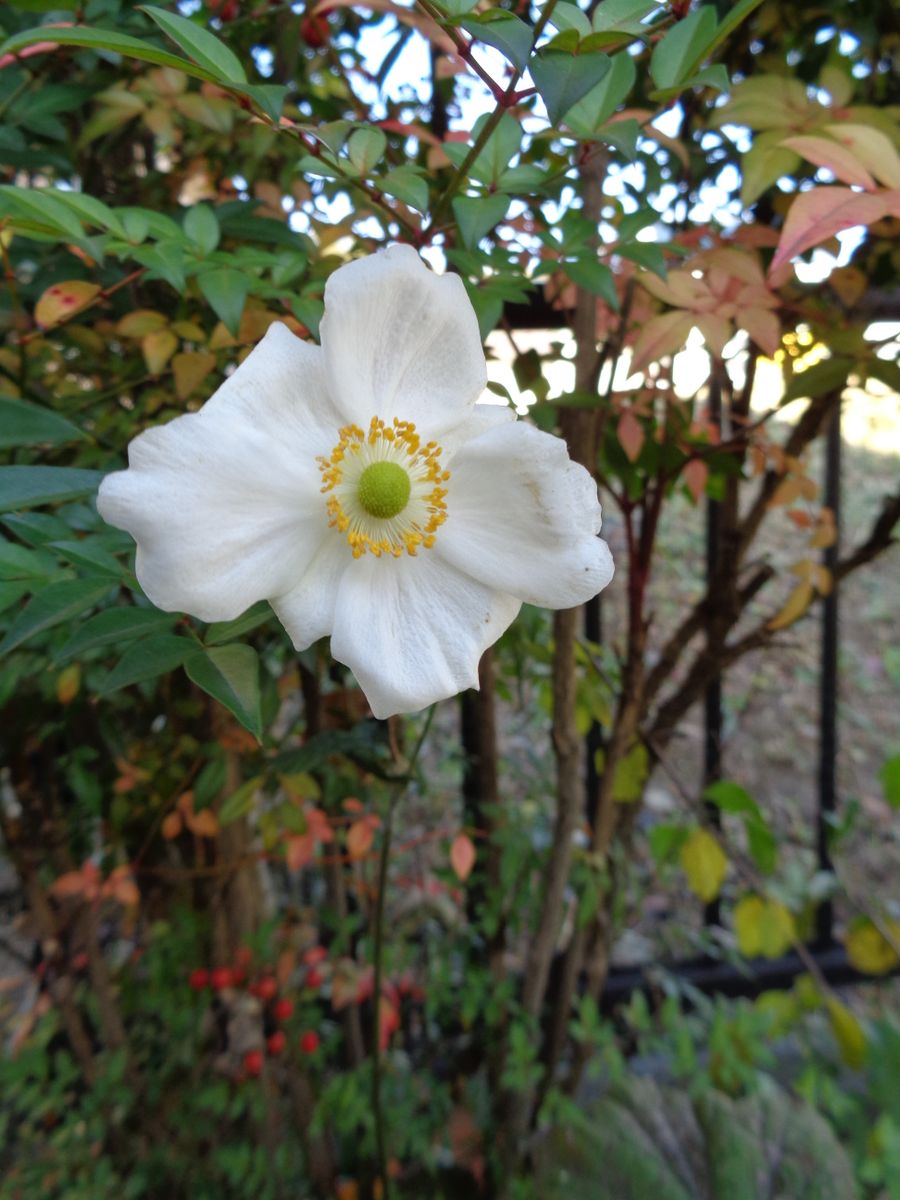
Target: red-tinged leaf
360 836
204 823
630 433
462 856
388 1021
696 474
299 850
351 804
717 332
817 215
64 300
838 159
171 826
763 327
73 883
662 335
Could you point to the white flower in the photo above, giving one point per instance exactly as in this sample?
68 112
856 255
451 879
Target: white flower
358 489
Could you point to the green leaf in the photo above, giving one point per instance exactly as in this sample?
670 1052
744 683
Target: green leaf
201 226
683 48
200 45
227 631
646 254
733 16
225 289
406 185
585 117
145 660
563 79
89 552
570 16
820 378
55 603
165 261
239 803
614 14
505 32
730 797
890 781
230 674
501 147
27 487
269 97
24 424
594 277
477 216
109 40
40 206
365 147
18 562
111 627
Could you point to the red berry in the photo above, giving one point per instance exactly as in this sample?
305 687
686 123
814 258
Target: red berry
309 1042
199 979
276 1042
265 988
314 979
314 955
253 1062
282 1009
221 978
238 975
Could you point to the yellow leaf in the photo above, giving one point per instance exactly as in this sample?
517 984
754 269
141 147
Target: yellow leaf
848 1033
158 347
797 604
191 368
704 863
68 683
189 330
141 322
787 492
64 300
823 581
763 927
869 950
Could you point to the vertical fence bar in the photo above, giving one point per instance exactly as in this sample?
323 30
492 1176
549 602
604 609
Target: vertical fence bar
593 631
828 696
712 699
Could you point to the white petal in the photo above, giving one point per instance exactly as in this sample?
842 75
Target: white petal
401 341
477 421
307 611
522 518
412 630
224 504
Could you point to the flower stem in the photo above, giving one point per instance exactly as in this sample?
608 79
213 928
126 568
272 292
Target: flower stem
378 943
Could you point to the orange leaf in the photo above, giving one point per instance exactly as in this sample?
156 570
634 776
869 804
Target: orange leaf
696 474
68 683
360 836
462 856
205 823
63 300
299 850
171 826
630 434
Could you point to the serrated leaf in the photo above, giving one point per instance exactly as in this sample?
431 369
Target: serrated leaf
505 32
201 226
563 79
230 674
225 289
477 215
147 659
203 47
55 603
111 627
26 424
28 487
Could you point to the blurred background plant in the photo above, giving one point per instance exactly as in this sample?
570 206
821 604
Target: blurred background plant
614 871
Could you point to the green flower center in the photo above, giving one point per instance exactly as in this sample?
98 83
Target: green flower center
384 489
